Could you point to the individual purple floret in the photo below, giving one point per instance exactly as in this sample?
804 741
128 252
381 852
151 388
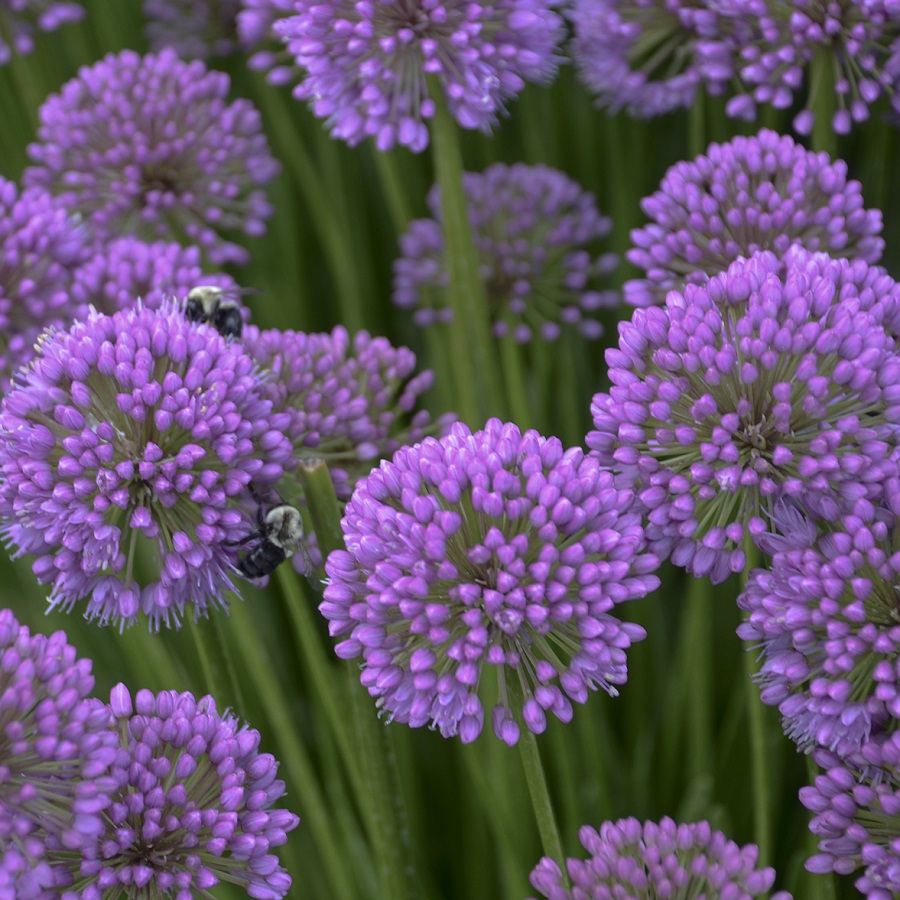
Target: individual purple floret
857 816
770 379
348 401
653 860
533 227
825 618
41 245
847 50
256 31
137 433
194 29
21 19
56 750
150 146
495 549
650 57
123 271
371 66
192 807
753 193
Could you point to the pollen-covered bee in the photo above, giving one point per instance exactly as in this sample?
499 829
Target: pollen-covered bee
214 305
278 538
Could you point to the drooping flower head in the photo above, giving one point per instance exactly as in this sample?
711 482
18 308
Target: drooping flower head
256 31
753 193
848 49
535 231
371 67
349 401
857 816
150 146
194 29
775 377
650 57
41 245
827 618
494 554
664 859
126 270
137 432
192 806
55 755
20 20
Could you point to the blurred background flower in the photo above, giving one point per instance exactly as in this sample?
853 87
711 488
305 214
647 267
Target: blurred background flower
21 19
194 29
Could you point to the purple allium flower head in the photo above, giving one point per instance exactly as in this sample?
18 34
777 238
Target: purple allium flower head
650 57
532 227
41 245
193 805
664 859
349 401
137 430
371 66
20 19
194 29
56 750
125 270
826 619
150 146
256 31
858 41
495 549
856 815
772 378
752 193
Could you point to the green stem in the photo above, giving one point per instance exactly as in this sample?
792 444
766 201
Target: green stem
234 681
474 348
822 102
697 660
697 127
762 792
395 194
514 379
323 505
206 665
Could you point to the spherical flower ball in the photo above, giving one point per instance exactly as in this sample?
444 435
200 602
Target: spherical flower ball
194 29
773 378
498 551
856 815
349 401
136 433
664 859
650 57
41 245
825 619
125 270
371 66
256 32
753 193
21 19
848 50
535 233
193 804
149 146
56 750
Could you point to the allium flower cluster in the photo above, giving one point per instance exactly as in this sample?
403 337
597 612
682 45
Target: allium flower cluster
149 146
194 29
857 44
650 57
372 66
495 549
136 434
347 401
857 817
123 271
664 859
753 193
775 377
21 19
256 32
532 228
192 806
827 618
55 755
41 245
